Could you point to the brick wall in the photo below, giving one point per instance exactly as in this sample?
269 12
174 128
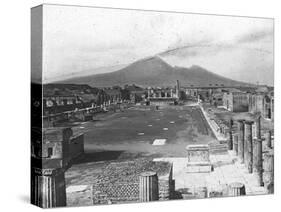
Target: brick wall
115 193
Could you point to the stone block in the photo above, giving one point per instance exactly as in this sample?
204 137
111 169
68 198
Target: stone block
198 157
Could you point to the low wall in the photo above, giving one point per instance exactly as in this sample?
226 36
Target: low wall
118 192
76 145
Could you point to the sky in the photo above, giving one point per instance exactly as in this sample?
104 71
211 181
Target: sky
83 40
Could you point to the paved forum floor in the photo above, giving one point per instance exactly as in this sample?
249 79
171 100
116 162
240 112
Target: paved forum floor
226 171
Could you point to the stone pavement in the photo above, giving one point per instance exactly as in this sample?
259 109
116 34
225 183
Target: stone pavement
226 171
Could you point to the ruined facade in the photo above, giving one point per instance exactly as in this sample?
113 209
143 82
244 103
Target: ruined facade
236 101
262 103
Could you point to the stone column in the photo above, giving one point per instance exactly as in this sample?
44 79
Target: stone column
257 160
241 141
236 189
258 127
148 187
230 141
248 146
268 139
268 175
48 188
235 143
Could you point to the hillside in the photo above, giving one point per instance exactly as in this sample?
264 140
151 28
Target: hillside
154 71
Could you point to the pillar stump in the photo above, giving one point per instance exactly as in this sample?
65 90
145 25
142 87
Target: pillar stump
248 146
241 141
235 144
236 189
148 187
268 175
257 160
268 139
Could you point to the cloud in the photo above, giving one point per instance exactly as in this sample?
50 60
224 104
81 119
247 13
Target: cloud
256 36
81 38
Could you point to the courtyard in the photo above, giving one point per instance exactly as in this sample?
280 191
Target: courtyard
130 134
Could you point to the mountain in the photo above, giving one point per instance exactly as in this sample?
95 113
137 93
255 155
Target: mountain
154 71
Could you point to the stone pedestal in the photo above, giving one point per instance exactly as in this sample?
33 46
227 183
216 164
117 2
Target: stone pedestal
236 189
198 157
148 187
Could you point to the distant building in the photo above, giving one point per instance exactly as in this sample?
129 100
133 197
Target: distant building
236 101
217 99
163 96
114 95
262 103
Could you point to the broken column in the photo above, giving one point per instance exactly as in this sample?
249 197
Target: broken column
268 175
236 189
268 139
241 140
148 187
248 146
257 160
235 143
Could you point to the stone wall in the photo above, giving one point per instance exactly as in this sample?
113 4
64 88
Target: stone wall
76 145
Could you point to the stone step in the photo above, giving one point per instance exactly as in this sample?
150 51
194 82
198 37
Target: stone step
218 148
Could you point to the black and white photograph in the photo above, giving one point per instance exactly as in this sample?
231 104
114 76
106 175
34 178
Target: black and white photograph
134 106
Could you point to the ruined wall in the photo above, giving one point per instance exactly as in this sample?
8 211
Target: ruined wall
128 192
240 102
118 192
115 193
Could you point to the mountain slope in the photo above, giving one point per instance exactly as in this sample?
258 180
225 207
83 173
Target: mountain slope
154 71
